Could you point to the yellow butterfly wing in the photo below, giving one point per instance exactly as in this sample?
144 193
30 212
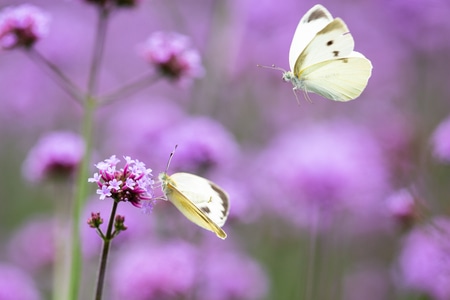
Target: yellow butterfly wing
198 199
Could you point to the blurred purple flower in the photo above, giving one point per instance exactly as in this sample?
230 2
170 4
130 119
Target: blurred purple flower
229 275
319 172
118 3
427 19
40 234
177 269
149 271
424 261
22 26
440 141
204 144
171 54
402 207
56 155
16 284
133 183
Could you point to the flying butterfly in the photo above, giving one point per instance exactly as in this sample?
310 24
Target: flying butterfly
198 199
322 59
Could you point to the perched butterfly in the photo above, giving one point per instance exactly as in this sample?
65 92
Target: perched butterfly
198 199
322 59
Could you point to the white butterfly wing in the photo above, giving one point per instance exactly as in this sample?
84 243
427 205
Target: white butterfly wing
312 22
341 79
333 41
205 195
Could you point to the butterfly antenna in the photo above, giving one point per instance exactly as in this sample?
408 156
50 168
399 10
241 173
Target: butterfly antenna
170 157
273 67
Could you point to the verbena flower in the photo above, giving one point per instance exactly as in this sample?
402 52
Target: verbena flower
40 234
233 276
151 268
320 172
424 261
22 26
208 272
204 145
15 284
56 155
402 207
112 3
441 141
172 56
133 183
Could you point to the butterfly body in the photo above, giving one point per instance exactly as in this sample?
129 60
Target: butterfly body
322 59
198 199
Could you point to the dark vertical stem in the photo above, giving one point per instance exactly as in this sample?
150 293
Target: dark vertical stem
105 252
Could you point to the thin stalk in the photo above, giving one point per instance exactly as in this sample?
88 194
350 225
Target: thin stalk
99 47
87 131
105 251
130 88
60 78
312 257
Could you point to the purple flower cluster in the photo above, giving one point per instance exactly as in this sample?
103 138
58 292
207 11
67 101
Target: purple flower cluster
318 173
424 261
441 141
56 155
15 284
22 26
112 3
133 183
172 56
178 269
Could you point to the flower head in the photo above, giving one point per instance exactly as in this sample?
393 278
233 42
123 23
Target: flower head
39 233
172 56
133 183
22 26
151 270
424 261
401 207
16 284
56 155
204 145
117 3
441 142
324 173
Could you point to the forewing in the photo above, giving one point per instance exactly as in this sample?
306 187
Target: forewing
333 41
340 79
205 195
311 23
193 213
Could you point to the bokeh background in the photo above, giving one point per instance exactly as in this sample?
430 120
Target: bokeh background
328 200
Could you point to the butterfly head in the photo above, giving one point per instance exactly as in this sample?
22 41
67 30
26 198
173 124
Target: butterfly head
289 76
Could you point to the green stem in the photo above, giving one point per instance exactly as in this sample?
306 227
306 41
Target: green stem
80 196
82 191
312 258
105 251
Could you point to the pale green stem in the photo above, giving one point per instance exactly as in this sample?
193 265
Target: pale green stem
312 257
82 191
